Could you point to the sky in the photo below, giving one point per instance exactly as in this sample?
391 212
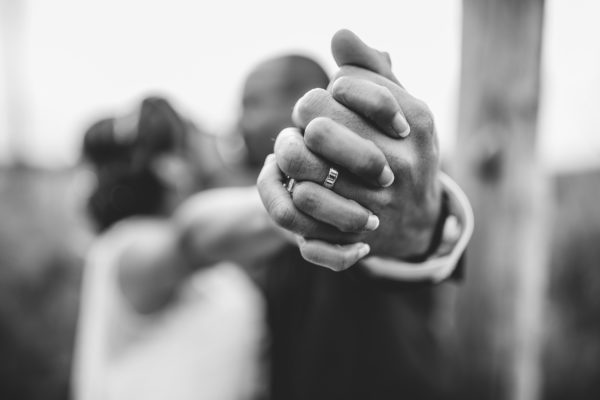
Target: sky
79 60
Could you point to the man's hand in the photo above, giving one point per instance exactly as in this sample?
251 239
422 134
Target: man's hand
387 193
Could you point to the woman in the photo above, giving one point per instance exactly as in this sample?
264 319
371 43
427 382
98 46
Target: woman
152 324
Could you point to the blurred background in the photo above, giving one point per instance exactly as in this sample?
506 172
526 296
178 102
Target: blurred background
66 63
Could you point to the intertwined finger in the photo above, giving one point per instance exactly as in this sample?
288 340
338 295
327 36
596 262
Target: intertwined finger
344 148
320 103
334 257
326 206
373 101
280 206
296 160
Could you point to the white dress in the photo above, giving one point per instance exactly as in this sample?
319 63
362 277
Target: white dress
206 345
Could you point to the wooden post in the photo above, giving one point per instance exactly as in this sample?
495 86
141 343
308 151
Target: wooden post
500 304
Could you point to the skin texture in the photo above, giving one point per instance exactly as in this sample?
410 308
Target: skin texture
358 135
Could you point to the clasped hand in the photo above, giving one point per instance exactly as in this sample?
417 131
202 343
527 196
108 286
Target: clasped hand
382 142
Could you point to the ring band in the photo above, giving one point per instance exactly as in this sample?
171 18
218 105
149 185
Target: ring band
332 176
289 185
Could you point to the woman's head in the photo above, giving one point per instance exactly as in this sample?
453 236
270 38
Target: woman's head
141 162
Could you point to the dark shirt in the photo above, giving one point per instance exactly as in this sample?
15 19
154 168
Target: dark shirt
345 335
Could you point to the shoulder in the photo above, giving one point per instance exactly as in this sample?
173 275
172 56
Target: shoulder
133 232
135 250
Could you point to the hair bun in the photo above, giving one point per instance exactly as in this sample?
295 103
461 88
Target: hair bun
122 151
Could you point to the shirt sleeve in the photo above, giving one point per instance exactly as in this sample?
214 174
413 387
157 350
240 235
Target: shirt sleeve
456 234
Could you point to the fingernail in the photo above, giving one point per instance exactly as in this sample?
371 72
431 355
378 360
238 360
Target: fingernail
335 86
363 250
400 125
386 178
372 223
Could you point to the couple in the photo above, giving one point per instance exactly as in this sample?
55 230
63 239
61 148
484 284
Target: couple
355 187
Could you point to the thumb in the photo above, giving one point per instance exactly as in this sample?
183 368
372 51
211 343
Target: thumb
348 49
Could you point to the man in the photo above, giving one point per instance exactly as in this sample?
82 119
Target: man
352 334
269 93
364 196
361 175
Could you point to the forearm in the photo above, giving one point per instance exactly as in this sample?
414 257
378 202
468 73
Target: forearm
227 224
217 225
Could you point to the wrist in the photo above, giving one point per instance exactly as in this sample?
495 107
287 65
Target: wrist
434 233
424 227
441 262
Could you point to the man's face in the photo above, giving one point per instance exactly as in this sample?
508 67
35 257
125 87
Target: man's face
266 109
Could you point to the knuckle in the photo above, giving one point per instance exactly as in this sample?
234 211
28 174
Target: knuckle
404 166
373 162
283 214
381 99
390 105
312 103
377 102
305 199
371 167
422 119
293 166
385 198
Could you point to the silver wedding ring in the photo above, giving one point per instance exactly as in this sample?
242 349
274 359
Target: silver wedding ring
331 178
289 185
